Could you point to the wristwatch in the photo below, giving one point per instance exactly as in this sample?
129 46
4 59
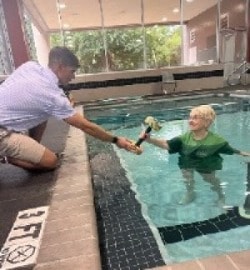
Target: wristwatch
114 139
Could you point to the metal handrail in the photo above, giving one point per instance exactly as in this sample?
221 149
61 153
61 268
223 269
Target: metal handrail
236 77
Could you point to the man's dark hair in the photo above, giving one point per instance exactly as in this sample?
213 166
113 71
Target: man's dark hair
62 55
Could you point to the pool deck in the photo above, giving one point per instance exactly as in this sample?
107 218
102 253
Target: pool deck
70 239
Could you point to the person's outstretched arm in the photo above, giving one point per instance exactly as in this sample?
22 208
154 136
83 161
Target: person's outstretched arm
78 121
157 142
244 154
227 149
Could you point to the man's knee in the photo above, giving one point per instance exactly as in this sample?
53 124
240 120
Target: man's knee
49 160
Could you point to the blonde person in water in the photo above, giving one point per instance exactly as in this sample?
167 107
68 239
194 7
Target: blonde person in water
199 150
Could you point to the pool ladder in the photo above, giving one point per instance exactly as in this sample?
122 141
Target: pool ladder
245 209
239 75
168 83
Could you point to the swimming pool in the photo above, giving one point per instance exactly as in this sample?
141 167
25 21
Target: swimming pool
156 183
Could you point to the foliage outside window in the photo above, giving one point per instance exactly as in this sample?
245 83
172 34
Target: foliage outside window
124 48
88 47
163 46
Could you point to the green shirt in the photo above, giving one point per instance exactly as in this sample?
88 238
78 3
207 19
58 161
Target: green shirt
202 155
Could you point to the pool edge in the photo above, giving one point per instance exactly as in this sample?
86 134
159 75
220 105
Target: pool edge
70 239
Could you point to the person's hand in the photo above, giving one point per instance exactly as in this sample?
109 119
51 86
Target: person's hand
128 145
245 154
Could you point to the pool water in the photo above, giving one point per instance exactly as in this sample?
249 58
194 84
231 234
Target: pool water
158 182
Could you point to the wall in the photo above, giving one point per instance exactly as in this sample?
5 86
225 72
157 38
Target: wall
202 41
139 83
248 33
42 45
203 26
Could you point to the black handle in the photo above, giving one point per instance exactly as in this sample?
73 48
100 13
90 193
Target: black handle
140 140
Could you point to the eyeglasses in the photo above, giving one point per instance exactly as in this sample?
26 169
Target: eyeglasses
195 117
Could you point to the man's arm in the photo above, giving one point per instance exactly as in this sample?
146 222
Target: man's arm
78 121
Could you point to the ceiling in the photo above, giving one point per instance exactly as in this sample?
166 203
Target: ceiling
55 15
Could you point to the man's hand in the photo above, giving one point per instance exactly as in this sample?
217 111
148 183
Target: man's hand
128 145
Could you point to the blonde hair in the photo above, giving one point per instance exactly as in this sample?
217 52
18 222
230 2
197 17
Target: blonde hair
206 112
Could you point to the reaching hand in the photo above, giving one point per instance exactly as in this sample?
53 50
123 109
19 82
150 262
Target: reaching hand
245 154
128 145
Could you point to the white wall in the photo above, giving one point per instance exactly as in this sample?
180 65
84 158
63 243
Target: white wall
42 45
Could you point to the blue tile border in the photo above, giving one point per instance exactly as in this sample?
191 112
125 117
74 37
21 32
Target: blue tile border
125 238
224 222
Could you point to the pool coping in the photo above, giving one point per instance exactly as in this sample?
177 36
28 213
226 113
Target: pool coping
70 239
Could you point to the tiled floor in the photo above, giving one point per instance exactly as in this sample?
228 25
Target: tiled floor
70 238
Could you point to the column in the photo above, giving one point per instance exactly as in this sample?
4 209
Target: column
14 27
